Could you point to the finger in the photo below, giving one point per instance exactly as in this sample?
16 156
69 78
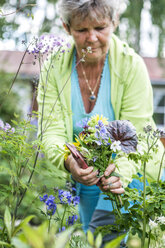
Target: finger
112 179
109 170
94 182
84 172
118 191
90 177
89 182
115 185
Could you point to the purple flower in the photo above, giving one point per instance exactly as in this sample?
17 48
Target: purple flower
94 159
47 43
159 133
147 129
65 197
83 123
7 127
43 198
62 229
50 199
76 200
73 189
97 134
68 45
70 221
50 204
98 142
13 130
101 134
100 124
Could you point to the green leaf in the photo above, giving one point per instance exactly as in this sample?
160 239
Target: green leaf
98 240
115 174
115 242
90 237
18 243
7 219
63 237
32 236
23 222
4 243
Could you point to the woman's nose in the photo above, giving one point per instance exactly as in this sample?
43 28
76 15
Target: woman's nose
92 36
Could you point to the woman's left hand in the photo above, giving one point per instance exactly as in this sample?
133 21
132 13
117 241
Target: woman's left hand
112 183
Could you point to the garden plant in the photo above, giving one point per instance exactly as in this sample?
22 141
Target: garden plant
38 209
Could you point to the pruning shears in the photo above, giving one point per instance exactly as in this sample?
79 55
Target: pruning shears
78 157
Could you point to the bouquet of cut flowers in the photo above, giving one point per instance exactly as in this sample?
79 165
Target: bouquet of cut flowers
100 142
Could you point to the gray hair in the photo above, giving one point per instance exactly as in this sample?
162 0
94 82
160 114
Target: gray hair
93 8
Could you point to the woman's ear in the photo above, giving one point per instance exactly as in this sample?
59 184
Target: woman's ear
66 27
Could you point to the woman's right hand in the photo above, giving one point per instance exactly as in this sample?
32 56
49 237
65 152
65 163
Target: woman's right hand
85 176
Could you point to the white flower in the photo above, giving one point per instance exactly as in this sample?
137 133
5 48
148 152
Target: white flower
140 149
89 49
115 146
153 224
161 219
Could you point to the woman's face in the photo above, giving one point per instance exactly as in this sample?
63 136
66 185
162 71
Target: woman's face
91 33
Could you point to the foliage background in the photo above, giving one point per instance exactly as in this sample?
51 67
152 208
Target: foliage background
21 20
46 19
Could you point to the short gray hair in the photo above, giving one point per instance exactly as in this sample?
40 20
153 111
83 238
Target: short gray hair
105 8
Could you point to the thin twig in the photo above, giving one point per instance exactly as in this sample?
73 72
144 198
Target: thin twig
5 96
17 10
160 168
34 165
45 128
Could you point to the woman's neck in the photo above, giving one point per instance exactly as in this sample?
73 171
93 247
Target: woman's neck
93 67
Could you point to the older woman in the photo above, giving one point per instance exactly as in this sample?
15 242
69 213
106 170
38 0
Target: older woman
112 81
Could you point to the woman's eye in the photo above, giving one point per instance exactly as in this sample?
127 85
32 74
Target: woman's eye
81 30
99 28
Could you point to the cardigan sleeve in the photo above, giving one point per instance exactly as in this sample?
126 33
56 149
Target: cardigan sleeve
137 100
51 126
137 107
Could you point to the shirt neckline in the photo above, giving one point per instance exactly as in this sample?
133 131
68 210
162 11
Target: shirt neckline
101 83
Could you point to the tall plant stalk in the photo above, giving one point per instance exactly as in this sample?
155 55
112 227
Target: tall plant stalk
144 206
161 165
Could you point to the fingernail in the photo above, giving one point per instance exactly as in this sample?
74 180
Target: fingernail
106 173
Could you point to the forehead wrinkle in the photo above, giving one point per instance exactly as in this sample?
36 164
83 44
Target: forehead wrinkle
88 23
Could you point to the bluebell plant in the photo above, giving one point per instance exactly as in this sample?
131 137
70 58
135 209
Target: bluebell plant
68 201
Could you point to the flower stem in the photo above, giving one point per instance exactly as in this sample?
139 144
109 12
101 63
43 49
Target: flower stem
30 177
149 239
49 224
161 164
144 206
63 216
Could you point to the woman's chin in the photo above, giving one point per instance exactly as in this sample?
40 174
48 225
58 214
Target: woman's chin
93 57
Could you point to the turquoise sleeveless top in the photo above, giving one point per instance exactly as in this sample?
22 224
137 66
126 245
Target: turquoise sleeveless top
103 104
90 197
